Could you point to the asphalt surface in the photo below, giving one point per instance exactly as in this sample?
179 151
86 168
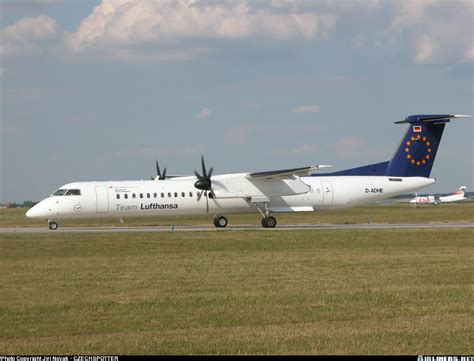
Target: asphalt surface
283 227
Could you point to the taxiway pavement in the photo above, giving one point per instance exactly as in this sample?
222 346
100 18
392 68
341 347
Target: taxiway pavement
283 227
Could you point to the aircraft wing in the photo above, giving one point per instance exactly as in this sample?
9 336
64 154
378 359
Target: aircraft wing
286 173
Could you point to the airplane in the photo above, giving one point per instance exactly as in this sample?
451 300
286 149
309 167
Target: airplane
423 200
456 196
266 193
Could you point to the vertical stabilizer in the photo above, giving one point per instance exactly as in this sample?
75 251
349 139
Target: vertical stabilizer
417 151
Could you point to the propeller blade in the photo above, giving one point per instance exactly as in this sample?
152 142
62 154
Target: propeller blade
203 167
203 181
200 195
160 175
158 170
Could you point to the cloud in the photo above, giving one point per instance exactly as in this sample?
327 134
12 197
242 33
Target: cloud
301 150
11 131
307 109
151 31
352 148
424 50
469 55
240 134
142 55
27 36
32 2
162 151
438 31
204 113
116 25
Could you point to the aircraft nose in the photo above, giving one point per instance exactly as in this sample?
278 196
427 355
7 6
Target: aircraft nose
38 211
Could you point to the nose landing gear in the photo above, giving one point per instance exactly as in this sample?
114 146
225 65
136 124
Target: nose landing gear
52 225
220 221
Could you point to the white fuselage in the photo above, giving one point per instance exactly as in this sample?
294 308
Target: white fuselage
423 200
234 193
453 198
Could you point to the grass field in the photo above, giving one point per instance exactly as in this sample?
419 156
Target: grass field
392 213
245 292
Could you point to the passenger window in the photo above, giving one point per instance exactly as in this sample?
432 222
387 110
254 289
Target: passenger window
155 195
148 195
126 196
191 194
169 195
133 195
141 195
175 194
162 195
118 196
183 194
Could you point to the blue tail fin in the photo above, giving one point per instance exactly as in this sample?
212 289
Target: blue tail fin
417 151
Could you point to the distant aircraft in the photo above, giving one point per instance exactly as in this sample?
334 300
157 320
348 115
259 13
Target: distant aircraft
287 190
456 196
424 200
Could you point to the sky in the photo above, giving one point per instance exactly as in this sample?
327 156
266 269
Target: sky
99 90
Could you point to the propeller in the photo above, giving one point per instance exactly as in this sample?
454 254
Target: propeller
204 183
160 176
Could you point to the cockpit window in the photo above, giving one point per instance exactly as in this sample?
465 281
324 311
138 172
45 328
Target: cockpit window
59 192
67 192
73 192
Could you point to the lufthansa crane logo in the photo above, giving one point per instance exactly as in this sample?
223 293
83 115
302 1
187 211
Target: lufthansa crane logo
422 158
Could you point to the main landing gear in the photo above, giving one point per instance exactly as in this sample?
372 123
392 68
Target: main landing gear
269 222
52 225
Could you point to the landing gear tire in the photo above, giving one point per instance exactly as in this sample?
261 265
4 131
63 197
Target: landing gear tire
53 226
220 221
269 222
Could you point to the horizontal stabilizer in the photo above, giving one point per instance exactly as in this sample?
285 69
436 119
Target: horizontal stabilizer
431 118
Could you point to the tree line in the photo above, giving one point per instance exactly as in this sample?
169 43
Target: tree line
25 204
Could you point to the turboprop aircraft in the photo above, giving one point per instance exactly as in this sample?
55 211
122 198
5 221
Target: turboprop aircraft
288 190
456 196
423 200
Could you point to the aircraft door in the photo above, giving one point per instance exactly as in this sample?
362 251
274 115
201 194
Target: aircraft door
328 195
102 199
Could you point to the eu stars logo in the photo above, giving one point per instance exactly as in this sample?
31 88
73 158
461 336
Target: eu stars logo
418 159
